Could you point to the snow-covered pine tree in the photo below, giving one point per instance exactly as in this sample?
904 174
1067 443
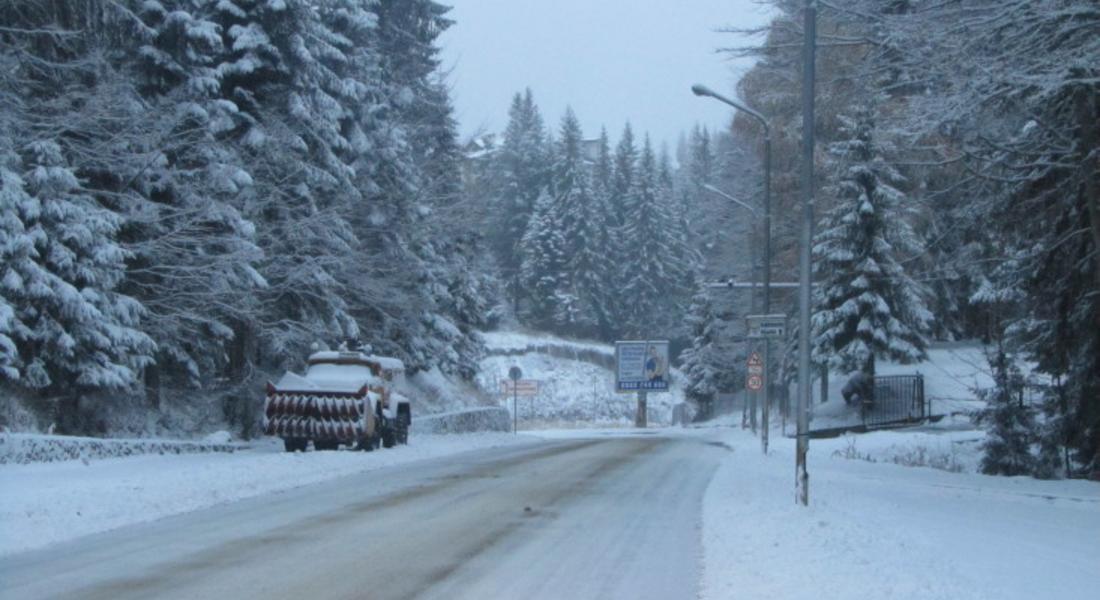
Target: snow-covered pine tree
607 240
705 366
521 176
867 306
544 272
73 332
193 264
623 179
286 74
1009 423
65 138
689 261
652 260
407 34
17 248
1046 105
584 230
701 166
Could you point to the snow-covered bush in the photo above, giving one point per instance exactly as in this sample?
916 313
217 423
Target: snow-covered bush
489 418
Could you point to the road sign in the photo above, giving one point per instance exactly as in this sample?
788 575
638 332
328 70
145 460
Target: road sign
767 326
520 387
641 366
515 373
755 360
755 381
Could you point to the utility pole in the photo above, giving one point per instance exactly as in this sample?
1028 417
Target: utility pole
802 478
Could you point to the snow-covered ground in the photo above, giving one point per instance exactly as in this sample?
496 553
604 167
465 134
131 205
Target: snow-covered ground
41 504
882 530
573 392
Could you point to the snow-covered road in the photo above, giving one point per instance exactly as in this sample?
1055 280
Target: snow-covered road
602 517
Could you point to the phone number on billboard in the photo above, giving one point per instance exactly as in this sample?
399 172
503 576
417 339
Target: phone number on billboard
643 385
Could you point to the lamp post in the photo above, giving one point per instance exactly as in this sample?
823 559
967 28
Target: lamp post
702 90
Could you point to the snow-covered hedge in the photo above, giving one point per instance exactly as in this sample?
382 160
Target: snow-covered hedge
19 448
501 343
489 418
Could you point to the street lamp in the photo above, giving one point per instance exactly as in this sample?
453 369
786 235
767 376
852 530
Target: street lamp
752 238
702 90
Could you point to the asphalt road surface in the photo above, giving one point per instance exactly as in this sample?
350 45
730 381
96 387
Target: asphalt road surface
610 517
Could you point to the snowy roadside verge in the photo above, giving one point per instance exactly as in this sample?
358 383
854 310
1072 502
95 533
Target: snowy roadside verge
878 530
46 503
26 448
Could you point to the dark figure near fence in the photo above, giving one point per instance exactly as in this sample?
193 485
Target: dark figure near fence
859 388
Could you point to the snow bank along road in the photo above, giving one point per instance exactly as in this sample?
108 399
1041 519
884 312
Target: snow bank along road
612 517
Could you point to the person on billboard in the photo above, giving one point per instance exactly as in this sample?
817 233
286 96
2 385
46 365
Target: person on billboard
655 366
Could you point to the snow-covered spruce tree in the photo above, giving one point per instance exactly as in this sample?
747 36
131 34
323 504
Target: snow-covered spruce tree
585 232
689 260
17 250
427 233
407 33
521 176
1047 103
544 271
285 74
705 366
73 332
701 167
866 304
1009 423
194 256
602 191
623 178
652 259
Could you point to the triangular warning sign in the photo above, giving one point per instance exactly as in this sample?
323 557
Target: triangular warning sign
754 360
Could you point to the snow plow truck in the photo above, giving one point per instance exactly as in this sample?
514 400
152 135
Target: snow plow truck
344 398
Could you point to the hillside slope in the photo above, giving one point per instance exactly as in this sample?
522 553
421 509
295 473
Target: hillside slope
576 382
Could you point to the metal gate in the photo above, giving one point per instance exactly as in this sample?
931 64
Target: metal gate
898 400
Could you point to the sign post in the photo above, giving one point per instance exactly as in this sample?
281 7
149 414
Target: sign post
514 374
765 328
642 367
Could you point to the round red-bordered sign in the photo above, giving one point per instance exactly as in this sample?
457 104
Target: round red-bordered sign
755 383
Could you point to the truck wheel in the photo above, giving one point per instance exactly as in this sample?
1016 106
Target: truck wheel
403 436
366 444
389 438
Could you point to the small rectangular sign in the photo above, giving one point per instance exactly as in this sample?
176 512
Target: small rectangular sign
768 326
521 387
641 366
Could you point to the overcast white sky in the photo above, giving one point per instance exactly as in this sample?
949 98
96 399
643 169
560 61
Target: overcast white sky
611 60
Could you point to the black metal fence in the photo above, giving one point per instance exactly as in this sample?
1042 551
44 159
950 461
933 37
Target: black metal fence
898 399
